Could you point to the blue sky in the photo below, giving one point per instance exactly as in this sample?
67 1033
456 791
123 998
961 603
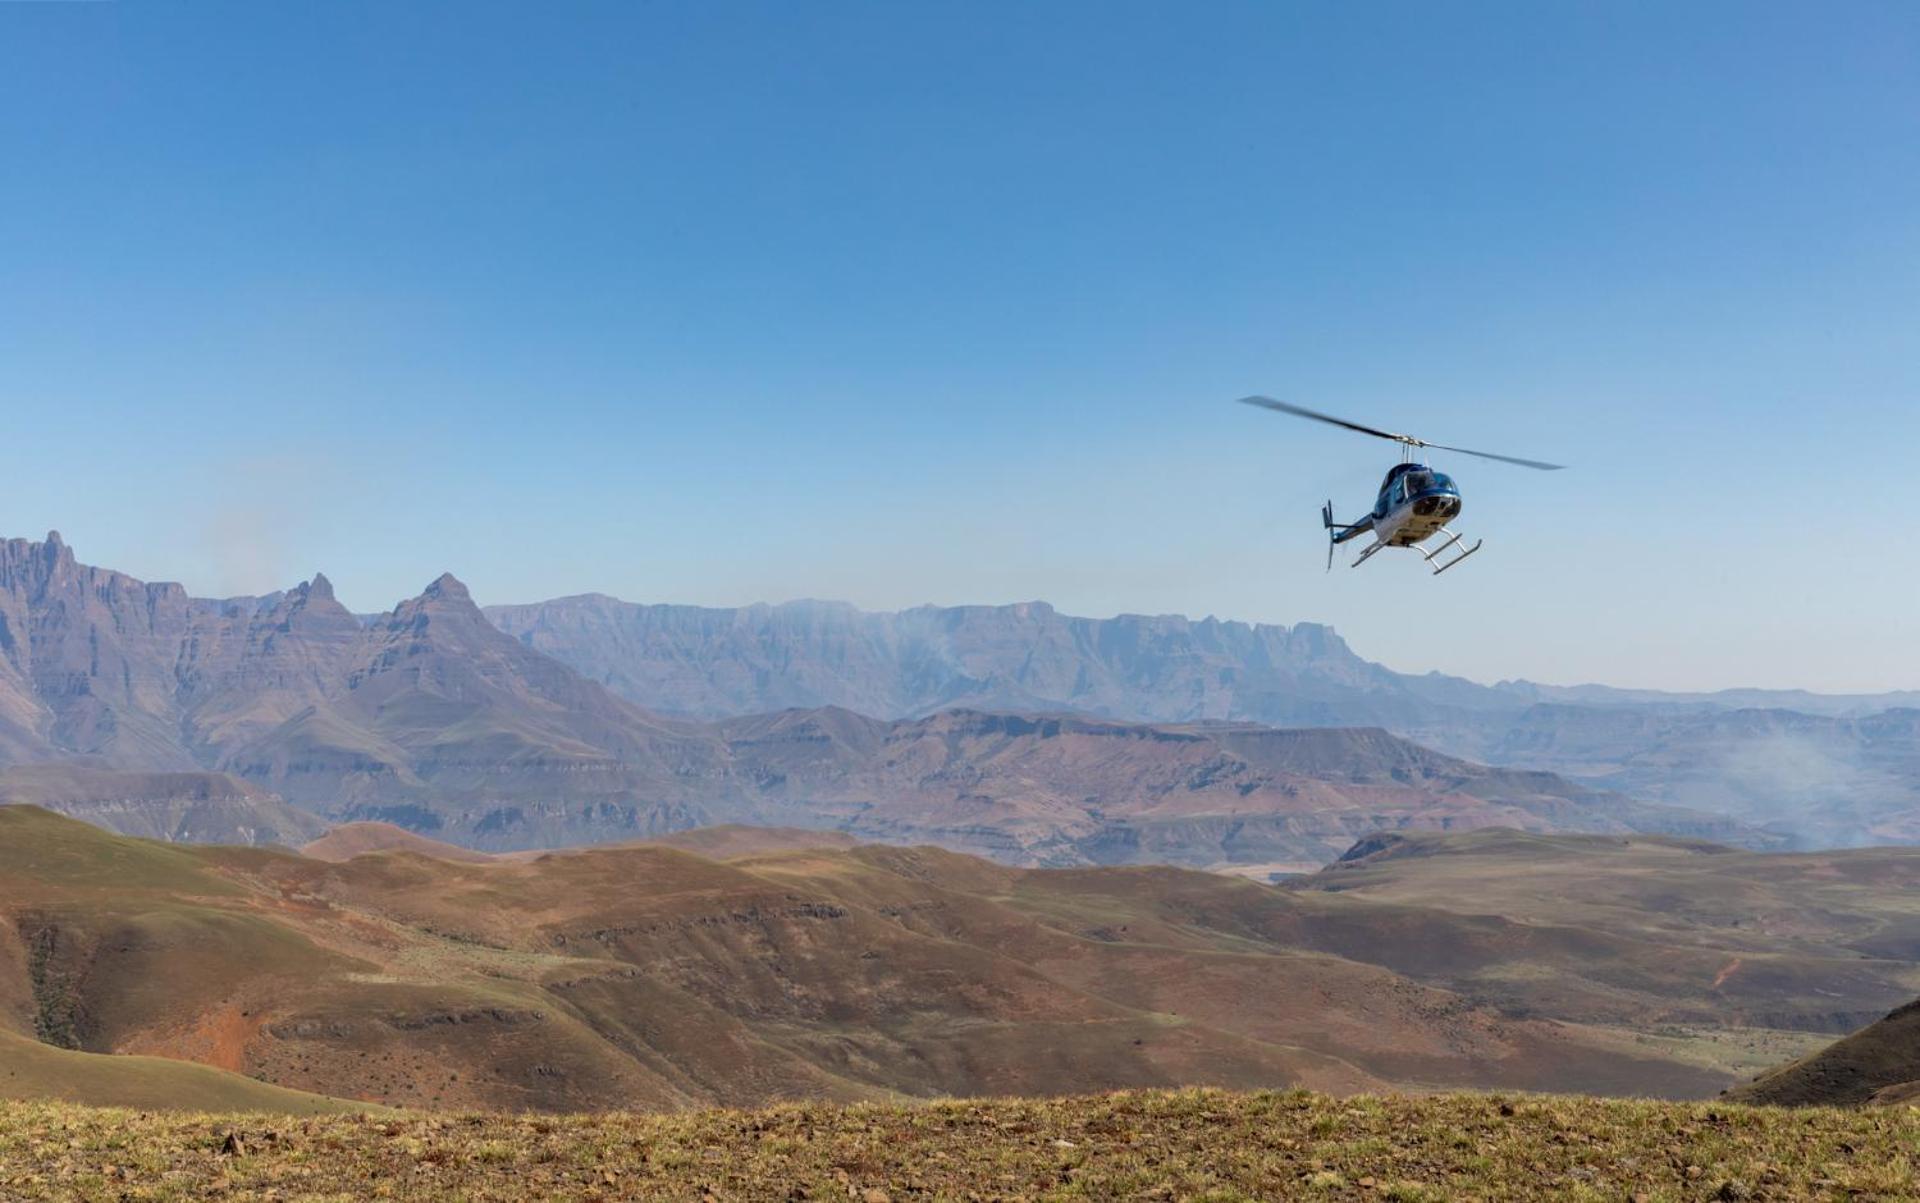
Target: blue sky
948 303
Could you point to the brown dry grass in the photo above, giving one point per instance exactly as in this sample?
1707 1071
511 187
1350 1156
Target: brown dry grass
1192 1144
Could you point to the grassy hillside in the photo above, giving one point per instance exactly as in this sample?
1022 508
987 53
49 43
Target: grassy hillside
1880 1063
32 1070
1862 900
1185 1145
647 977
1766 939
348 840
729 840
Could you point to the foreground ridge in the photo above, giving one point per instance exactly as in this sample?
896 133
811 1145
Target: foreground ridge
1152 1145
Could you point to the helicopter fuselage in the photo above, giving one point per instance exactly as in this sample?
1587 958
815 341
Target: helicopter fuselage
1414 503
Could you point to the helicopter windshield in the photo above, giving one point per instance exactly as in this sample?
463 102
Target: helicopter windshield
1425 481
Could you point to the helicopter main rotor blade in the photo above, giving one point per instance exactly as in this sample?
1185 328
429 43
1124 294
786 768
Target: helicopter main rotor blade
1300 411
1505 459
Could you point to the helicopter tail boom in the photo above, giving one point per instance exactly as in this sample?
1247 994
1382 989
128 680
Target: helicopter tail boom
1340 532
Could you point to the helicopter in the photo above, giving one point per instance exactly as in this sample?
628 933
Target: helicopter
1415 502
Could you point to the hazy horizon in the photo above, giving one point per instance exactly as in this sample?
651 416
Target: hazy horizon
949 304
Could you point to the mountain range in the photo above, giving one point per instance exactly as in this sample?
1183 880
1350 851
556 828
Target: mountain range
138 706
1011 731
1815 770
715 662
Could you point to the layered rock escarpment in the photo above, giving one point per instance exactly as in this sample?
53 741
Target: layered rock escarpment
1158 668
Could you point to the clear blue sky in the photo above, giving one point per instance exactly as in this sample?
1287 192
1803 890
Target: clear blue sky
914 303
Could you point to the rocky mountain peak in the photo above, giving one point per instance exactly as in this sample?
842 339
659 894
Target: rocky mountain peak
55 554
448 587
444 599
25 564
312 607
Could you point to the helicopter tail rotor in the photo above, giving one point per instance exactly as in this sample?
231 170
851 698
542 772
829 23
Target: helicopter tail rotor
1326 516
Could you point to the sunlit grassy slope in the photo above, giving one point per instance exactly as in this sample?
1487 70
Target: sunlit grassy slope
1148 1145
32 1070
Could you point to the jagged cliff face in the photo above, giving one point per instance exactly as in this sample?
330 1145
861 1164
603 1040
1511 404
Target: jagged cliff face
719 662
440 722
427 714
90 656
141 676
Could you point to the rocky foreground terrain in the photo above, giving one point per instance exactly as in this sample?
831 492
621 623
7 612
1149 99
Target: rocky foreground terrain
1136 1145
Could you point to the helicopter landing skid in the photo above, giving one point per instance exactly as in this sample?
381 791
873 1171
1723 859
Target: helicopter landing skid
1367 554
1451 542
